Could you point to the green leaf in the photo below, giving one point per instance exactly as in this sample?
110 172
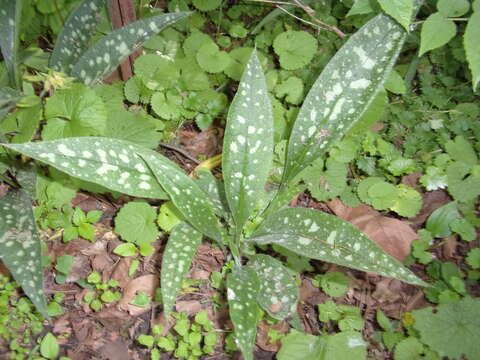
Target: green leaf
248 143
300 346
278 293
408 202
135 222
400 10
10 12
410 349
64 264
206 5
344 90
114 164
334 284
473 258
214 189
439 221
141 300
372 115
436 32
212 59
395 83
295 49
238 59
20 246
103 57
461 150
291 89
23 123
472 47
75 36
451 329
76 111
180 250
345 345
360 7
49 347
169 216
463 181
156 72
463 228
242 291
185 194
325 237
127 249
455 8
167 105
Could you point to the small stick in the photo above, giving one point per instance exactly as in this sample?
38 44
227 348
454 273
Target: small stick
180 151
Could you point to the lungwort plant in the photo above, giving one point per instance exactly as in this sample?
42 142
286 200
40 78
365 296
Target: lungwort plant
234 213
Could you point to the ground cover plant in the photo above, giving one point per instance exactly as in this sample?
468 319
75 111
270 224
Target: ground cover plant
278 145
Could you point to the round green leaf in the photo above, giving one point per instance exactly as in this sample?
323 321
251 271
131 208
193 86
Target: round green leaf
211 59
49 347
295 49
136 222
453 8
127 249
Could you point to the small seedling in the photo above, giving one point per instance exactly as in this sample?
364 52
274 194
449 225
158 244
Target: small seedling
105 292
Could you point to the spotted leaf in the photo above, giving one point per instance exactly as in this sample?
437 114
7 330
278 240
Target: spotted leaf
9 25
112 163
242 291
248 143
75 36
278 293
185 194
214 189
177 258
103 57
20 248
343 91
325 237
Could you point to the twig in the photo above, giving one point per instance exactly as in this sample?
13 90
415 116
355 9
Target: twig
310 12
180 151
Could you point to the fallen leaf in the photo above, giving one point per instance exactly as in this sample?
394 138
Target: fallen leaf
120 272
392 235
146 284
263 340
200 143
432 200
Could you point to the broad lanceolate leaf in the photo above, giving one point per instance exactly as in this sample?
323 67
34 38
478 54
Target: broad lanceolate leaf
75 36
103 57
343 91
185 194
112 163
20 248
278 293
177 258
325 237
8 98
214 189
248 143
242 291
400 10
472 47
9 25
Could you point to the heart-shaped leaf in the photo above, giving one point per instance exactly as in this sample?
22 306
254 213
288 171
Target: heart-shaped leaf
20 248
180 250
325 237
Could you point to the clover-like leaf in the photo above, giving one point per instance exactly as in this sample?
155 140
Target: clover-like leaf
76 35
242 291
248 143
325 237
103 57
278 293
10 12
343 91
20 247
112 163
180 250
